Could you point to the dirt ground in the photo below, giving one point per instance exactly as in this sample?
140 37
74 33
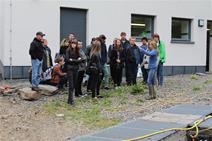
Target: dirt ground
27 121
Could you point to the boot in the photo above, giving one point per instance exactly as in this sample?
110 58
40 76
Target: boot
71 98
150 93
154 92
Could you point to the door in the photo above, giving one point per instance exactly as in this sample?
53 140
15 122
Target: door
73 21
209 47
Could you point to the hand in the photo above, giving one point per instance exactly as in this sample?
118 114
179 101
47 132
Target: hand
79 58
118 61
71 59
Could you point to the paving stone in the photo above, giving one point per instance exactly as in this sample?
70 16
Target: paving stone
172 118
150 125
190 109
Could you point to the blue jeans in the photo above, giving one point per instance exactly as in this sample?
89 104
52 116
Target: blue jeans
36 72
106 75
160 74
152 77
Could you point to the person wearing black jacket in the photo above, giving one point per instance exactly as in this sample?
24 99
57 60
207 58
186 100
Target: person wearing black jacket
104 56
47 58
125 44
133 59
95 69
36 52
117 62
72 60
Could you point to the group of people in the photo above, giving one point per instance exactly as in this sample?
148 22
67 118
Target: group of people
96 63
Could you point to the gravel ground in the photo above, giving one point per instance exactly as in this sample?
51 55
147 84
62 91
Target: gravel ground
23 120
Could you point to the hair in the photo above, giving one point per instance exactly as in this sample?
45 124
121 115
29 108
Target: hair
93 39
144 38
74 41
96 48
154 44
156 36
123 34
115 45
64 42
59 59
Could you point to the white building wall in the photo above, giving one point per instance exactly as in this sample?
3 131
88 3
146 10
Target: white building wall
109 17
1 30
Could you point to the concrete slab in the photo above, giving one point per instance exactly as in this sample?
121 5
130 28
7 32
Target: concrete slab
93 138
172 118
150 125
190 109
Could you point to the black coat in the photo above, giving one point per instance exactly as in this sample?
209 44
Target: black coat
45 61
72 60
103 53
36 50
114 57
95 63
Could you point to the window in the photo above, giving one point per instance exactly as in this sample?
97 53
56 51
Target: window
141 26
181 29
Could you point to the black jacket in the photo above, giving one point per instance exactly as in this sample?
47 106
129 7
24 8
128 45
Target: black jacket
72 60
36 50
103 53
45 57
95 62
117 54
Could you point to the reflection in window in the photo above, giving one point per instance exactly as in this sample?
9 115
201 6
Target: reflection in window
142 26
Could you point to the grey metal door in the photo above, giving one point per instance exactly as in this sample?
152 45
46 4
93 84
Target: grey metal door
73 21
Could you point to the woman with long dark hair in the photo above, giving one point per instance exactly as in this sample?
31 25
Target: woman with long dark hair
117 62
72 59
95 68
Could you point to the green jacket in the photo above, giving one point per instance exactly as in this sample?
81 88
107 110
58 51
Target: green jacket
162 51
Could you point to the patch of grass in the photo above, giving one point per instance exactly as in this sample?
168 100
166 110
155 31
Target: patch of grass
137 89
196 88
194 77
208 82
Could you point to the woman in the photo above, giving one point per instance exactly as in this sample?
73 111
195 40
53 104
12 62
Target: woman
116 62
58 77
47 59
153 64
63 46
95 68
72 60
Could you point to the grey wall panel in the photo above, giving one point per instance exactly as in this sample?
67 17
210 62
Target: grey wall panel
73 21
190 69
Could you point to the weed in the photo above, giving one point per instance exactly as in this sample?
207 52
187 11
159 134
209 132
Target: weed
196 88
194 77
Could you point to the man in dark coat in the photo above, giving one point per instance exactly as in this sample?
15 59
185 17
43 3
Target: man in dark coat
36 52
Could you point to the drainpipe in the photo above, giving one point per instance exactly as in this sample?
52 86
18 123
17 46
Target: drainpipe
10 41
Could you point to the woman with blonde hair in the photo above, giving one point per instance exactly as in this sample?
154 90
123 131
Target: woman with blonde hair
95 68
153 64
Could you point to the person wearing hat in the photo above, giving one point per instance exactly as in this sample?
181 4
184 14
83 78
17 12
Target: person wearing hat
162 58
36 52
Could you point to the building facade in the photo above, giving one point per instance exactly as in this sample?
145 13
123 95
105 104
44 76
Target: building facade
184 25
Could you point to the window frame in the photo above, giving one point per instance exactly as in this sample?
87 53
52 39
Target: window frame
177 40
138 38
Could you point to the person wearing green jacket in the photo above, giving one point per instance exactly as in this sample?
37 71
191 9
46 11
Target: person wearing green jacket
162 59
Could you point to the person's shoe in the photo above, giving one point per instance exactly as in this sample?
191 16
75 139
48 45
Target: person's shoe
106 88
99 96
35 89
71 103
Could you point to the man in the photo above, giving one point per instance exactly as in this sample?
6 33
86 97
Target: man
36 52
144 46
71 36
104 62
162 60
133 59
125 44
47 58
81 71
